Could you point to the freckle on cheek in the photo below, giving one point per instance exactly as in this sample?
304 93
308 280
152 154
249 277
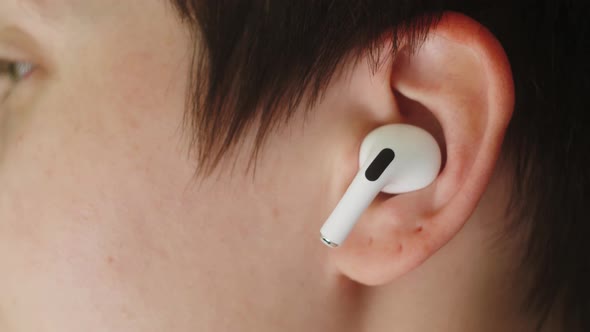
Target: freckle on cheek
49 172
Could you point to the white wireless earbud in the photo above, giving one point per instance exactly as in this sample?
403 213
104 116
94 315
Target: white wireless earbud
395 159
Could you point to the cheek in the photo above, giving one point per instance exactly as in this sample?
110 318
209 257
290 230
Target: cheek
83 171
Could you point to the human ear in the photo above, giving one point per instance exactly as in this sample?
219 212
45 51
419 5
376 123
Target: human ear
457 85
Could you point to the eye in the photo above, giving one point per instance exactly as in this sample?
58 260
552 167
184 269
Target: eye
12 72
16 71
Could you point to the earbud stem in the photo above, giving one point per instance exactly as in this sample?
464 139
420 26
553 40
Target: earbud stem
355 201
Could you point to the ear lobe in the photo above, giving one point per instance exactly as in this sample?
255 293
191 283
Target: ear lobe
461 77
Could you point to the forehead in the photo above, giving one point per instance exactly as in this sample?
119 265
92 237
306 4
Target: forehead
44 8
27 12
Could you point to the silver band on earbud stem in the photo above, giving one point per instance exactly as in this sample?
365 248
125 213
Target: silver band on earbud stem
328 242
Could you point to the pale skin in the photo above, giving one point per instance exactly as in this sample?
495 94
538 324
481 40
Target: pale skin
104 228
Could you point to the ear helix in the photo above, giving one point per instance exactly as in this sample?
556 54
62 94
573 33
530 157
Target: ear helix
395 159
